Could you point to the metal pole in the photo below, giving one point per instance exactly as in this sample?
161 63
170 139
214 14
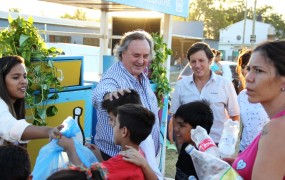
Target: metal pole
253 21
244 23
104 29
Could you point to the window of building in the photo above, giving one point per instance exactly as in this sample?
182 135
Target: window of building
62 39
91 41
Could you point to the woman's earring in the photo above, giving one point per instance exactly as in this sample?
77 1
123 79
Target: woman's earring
283 89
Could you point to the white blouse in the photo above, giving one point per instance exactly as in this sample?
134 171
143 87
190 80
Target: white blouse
11 129
253 118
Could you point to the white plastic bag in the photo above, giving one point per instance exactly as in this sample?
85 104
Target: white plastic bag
209 167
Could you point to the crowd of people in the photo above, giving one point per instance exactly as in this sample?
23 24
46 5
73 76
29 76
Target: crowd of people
127 141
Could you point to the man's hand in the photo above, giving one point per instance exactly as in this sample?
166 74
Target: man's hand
115 94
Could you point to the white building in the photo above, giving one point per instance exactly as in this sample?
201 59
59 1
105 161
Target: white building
231 38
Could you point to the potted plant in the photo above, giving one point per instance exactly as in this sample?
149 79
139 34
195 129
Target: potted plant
22 38
158 70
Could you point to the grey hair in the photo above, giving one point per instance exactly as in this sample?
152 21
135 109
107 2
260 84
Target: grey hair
130 36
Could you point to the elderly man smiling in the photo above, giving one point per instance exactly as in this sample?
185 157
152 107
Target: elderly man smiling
134 52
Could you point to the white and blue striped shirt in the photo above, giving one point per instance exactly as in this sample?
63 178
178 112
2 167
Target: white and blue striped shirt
117 77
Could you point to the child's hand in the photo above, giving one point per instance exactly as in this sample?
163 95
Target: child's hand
95 149
92 147
54 133
133 156
66 143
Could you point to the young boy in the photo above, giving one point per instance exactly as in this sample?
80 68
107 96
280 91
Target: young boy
132 125
187 117
135 121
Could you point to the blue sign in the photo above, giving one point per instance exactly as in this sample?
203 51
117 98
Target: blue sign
173 7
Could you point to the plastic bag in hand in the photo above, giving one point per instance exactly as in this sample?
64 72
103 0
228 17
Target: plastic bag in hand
209 167
52 158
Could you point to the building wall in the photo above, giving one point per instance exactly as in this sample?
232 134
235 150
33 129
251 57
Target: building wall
231 37
63 26
212 43
185 34
193 29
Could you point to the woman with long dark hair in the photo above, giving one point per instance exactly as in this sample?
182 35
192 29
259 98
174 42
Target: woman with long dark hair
13 84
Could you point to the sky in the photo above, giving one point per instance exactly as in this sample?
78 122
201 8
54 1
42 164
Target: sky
40 8
278 5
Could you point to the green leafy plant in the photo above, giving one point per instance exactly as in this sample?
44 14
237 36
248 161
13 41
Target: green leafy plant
158 70
22 38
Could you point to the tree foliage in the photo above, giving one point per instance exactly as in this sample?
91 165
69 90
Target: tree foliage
158 71
218 14
78 15
16 10
22 38
276 20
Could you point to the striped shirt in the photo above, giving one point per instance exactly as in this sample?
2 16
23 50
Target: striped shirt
117 77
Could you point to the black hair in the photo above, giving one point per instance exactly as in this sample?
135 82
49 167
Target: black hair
274 53
14 162
137 119
6 64
111 106
196 113
70 174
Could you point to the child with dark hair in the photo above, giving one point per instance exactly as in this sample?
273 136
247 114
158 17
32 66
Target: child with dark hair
111 106
187 117
131 123
136 122
148 162
128 97
95 172
14 163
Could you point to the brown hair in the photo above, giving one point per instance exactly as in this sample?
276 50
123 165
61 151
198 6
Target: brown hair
242 61
274 53
198 47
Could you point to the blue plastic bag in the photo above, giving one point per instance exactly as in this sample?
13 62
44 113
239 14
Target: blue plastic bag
52 158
